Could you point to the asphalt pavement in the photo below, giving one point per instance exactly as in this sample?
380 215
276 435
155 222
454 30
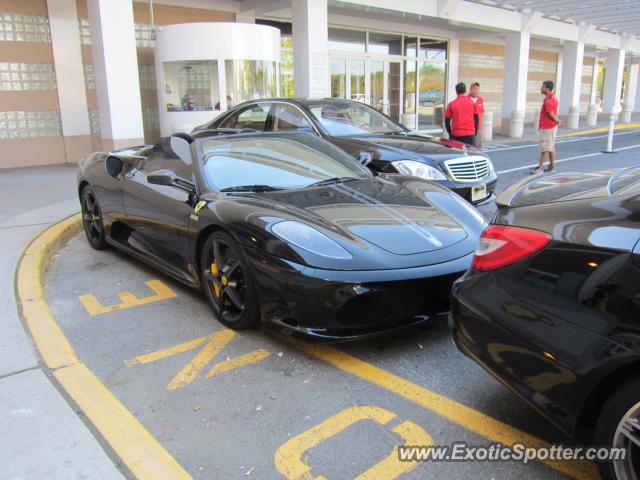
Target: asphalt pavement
251 404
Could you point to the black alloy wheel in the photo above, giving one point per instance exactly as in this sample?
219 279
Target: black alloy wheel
227 282
92 219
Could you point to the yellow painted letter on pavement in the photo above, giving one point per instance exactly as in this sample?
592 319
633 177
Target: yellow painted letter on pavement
289 457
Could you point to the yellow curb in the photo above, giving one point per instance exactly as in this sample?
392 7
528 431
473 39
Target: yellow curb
571 134
137 448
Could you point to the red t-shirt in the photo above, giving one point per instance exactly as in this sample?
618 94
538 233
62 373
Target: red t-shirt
461 112
480 106
550 104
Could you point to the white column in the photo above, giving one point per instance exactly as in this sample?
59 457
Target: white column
453 69
569 90
67 57
594 81
116 70
630 92
637 102
310 48
516 63
613 79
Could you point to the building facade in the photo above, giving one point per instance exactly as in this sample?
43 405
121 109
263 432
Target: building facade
78 76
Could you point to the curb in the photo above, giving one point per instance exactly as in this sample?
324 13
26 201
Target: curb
626 126
145 457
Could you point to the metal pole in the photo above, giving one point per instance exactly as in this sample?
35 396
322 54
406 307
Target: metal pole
612 118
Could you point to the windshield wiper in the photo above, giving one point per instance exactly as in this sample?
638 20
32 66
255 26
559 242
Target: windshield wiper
329 181
251 188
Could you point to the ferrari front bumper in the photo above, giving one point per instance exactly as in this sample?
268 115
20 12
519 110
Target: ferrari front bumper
342 305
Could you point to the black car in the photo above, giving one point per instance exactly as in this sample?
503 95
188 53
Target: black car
373 139
283 228
551 305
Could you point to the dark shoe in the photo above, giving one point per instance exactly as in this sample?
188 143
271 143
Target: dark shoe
535 170
549 170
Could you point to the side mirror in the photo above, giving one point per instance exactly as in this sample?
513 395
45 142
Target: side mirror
170 179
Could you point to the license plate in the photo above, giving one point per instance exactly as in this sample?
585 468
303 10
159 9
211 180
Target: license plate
478 192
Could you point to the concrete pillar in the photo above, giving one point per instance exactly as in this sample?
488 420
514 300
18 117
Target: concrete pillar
67 57
630 93
310 48
569 90
248 16
594 82
116 71
613 80
636 108
453 70
516 62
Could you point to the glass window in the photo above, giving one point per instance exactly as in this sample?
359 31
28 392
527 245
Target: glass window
253 117
431 81
410 46
385 43
287 117
250 80
292 161
410 86
286 73
357 80
338 78
349 118
346 40
432 49
191 85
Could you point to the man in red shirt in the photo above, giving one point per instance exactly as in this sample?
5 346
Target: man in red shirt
474 91
547 127
461 117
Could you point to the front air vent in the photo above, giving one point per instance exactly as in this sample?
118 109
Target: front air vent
468 169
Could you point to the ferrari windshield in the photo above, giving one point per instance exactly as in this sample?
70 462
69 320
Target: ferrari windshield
275 161
343 118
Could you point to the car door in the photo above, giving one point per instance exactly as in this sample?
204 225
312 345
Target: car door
158 215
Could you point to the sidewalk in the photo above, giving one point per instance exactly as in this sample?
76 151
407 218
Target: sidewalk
44 437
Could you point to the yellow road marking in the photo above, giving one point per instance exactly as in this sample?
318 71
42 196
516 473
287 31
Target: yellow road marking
290 461
214 344
136 447
469 418
192 370
127 299
167 352
238 362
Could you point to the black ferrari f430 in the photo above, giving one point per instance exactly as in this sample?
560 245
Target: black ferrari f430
283 228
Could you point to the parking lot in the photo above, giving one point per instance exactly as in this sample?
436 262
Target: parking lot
260 404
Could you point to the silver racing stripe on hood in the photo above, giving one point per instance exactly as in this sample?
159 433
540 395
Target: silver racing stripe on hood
390 212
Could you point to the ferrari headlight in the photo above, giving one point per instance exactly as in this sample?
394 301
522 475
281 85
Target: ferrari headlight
310 239
417 169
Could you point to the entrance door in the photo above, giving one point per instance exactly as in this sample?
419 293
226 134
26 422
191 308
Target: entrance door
385 87
348 78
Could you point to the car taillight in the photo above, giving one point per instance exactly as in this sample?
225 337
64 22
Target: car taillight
502 245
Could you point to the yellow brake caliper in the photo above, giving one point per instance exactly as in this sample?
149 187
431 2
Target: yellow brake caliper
216 287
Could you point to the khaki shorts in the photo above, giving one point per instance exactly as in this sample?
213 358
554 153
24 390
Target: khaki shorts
547 139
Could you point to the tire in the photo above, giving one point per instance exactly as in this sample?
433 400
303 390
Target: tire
92 219
621 408
227 282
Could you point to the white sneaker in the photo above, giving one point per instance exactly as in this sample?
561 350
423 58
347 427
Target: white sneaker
535 170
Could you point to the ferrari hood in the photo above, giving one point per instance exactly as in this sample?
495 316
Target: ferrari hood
395 213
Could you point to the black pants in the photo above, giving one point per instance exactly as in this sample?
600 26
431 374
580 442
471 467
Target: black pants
468 139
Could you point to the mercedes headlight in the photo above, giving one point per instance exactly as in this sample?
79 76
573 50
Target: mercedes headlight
310 239
418 169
